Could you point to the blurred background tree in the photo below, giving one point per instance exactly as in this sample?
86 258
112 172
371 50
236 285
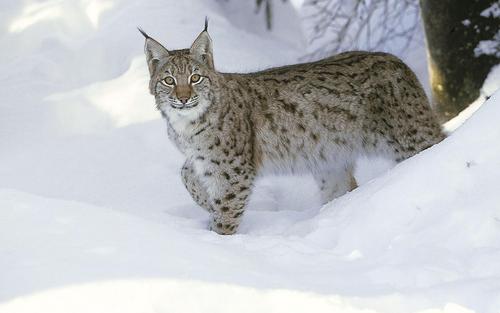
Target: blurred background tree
463 38
268 10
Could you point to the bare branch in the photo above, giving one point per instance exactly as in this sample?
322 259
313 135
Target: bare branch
338 25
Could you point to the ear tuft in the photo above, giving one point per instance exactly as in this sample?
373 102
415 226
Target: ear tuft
201 49
143 33
154 52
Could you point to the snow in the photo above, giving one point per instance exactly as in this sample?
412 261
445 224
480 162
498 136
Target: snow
492 11
489 47
492 46
94 217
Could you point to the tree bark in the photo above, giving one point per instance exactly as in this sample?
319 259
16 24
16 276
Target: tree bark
453 29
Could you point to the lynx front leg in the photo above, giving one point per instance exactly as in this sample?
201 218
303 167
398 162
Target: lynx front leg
334 183
193 185
228 188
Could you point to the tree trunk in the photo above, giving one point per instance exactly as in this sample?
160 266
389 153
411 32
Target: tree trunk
453 29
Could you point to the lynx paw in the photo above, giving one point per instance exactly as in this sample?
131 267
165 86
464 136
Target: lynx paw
222 228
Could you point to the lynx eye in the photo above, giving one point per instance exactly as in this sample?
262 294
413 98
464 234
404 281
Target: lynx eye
169 81
195 78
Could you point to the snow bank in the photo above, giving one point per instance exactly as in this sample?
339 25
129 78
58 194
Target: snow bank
423 236
83 258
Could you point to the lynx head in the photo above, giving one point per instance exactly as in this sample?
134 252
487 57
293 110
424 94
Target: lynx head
181 79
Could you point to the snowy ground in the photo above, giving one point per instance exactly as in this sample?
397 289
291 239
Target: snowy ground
94 217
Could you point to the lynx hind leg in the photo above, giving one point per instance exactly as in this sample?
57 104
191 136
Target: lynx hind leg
335 182
194 186
418 142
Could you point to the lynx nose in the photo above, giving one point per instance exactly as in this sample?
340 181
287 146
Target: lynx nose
184 100
183 93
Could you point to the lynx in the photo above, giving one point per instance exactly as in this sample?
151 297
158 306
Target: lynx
316 118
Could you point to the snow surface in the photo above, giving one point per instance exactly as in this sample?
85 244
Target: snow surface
94 217
492 46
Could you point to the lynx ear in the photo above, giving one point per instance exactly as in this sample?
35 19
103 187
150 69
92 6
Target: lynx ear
201 49
154 52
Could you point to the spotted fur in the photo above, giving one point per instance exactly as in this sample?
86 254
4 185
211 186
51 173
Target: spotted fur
314 118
